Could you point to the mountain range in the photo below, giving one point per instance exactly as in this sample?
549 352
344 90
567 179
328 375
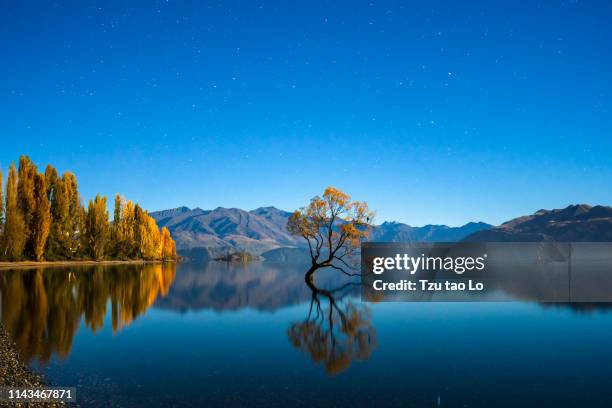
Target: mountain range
212 233
206 234
574 223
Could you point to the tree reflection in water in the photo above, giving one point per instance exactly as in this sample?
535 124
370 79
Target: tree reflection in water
42 308
334 334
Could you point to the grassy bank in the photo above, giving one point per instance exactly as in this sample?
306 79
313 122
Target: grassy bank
46 264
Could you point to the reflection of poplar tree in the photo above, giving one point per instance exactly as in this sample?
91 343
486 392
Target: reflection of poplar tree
43 308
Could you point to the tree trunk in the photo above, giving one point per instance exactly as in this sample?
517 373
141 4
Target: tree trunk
310 273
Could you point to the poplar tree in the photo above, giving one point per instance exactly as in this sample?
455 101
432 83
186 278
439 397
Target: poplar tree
150 238
81 249
14 228
73 226
128 223
41 218
97 228
51 178
168 245
117 228
26 200
57 246
1 210
138 232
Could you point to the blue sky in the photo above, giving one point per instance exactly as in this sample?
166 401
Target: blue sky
441 112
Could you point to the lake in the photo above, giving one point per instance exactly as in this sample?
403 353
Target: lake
238 335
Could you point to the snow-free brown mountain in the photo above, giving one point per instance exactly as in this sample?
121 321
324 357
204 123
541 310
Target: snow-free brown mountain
208 234
212 233
578 223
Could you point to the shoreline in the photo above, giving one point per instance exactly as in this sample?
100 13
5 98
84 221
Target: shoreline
35 264
15 373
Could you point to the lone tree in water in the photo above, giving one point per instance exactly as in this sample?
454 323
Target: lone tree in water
334 227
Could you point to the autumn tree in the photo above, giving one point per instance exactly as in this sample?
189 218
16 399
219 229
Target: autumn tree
97 228
117 228
136 231
50 181
333 226
26 201
150 243
41 218
128 223
137 235
168 245
1 209
74 225
118 212
57 195
14 237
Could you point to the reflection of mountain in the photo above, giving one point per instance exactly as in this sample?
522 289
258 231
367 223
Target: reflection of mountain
574 223
42 308
230 286
207 234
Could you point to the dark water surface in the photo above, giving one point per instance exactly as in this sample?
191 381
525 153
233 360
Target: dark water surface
220 335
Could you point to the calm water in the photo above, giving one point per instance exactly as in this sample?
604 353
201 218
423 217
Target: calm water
223 335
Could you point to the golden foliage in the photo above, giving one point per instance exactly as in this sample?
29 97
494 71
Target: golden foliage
136 234
44 219
1 206
168 245
41 218
27 201
97 227
14 236
333 226
65 213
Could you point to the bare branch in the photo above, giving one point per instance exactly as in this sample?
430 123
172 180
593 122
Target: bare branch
343 271
345 263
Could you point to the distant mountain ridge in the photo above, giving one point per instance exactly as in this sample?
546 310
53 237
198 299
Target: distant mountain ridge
578 223
206 234
227 229
398 232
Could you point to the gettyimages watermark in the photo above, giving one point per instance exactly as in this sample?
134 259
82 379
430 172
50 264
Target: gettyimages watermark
537 271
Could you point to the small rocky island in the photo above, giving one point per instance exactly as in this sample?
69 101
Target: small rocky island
238 257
